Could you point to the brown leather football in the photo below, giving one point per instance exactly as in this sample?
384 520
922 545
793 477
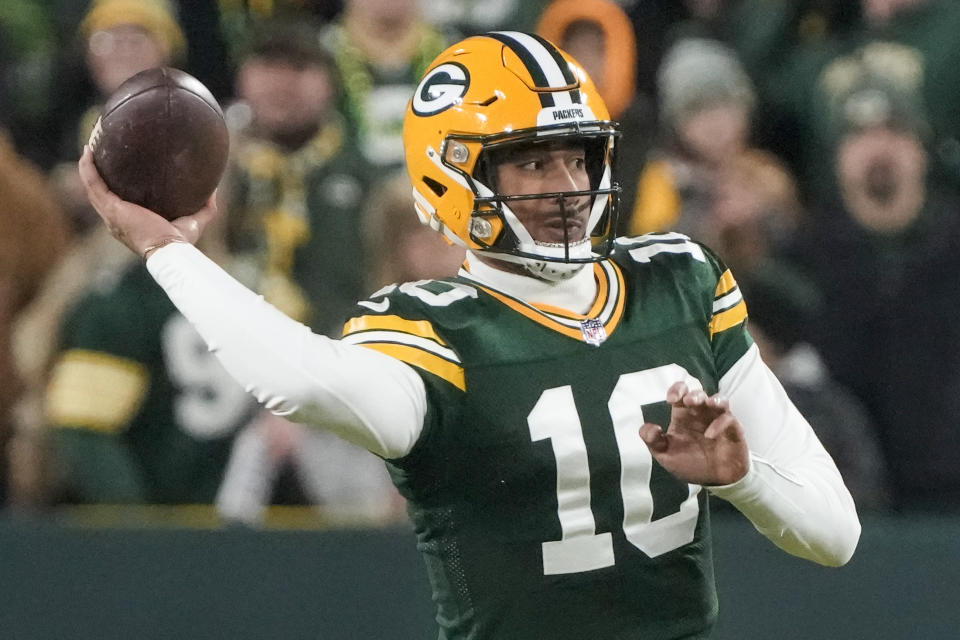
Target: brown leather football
162 142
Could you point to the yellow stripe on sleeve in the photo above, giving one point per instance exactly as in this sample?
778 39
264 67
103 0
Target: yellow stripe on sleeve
97 391
729 318
420 328
421 359
726 284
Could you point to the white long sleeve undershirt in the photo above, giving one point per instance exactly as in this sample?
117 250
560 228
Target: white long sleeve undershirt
363 396
793 493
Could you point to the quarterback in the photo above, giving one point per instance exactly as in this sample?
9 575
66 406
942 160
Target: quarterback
559 413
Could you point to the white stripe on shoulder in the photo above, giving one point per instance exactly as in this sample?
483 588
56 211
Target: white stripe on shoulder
731 299
648 238
668 235
646 252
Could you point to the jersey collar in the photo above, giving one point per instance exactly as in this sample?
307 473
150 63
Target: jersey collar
587 307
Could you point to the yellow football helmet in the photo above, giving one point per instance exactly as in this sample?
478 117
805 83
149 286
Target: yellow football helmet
481 95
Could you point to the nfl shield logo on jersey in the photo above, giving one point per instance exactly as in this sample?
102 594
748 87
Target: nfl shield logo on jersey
593 331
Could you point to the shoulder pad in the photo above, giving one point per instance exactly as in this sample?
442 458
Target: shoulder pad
421 298
644 248
407 322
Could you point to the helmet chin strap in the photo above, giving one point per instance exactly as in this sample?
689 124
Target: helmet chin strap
558 271
555 270
547 269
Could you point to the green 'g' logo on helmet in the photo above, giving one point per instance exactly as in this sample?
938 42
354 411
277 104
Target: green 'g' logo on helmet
440 89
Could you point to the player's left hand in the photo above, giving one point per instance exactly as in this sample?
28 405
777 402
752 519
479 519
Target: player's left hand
704 443
140 229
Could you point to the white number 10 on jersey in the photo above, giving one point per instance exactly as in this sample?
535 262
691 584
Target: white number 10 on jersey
581 548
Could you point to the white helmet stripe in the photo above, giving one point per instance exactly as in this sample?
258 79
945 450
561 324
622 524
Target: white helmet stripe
548 65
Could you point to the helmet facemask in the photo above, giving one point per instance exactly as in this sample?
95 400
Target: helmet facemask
495 226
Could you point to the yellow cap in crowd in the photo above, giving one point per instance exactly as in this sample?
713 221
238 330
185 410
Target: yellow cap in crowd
155 17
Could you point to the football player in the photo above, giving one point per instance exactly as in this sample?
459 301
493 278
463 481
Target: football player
557 413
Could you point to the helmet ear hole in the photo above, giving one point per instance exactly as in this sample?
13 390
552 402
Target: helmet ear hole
434 186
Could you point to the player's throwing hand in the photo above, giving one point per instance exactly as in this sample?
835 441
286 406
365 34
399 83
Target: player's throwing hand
704 443
142 230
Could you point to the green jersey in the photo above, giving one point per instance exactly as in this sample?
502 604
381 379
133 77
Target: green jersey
142 411
539 511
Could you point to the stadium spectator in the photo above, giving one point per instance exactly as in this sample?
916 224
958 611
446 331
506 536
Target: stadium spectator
705 106
138 409
238 21
507 400
275 461
882 253
381 48
295 181
913 41
601 33
919 37
401 248
120 38
36 344
34 237
469 17
294 191
752 211
601 37
753 214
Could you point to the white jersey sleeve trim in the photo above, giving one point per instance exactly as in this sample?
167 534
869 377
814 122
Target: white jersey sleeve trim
793 493
363 396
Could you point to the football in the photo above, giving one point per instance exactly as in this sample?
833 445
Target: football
161 142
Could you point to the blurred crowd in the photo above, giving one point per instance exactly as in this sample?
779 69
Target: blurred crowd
814 144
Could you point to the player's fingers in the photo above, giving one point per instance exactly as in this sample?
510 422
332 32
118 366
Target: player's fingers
96 188
676 392
694 399
724 426
104 202
192 226
210 210
189 228
653 436
718 401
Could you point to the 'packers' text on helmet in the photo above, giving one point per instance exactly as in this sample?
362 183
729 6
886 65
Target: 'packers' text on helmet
488 94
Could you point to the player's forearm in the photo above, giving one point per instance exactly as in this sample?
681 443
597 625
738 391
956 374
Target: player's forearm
793 492
363 396
803 511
